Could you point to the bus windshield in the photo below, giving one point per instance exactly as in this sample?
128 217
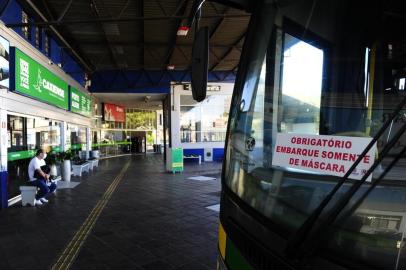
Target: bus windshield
328 78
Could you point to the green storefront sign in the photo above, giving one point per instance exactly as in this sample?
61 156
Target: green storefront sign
56 149
76 146
79 102
34 80
20 155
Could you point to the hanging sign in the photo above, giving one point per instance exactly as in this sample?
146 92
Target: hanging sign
112 112
331 155
80 102
30 78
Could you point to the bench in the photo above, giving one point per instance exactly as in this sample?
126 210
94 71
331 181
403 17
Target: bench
194 157
79 168
93 163
28 193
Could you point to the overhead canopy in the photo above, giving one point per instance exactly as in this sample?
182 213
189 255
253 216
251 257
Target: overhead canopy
141 34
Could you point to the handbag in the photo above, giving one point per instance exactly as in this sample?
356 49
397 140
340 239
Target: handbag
46 169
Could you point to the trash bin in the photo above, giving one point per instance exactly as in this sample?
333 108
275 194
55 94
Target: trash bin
95 154
28 195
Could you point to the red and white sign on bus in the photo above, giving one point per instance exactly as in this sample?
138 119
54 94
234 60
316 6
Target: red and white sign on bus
332 155
112 112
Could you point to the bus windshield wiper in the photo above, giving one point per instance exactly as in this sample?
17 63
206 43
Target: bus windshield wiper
306 238
359 201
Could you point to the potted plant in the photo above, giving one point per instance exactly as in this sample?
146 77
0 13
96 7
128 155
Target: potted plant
77 160
66 168
51 161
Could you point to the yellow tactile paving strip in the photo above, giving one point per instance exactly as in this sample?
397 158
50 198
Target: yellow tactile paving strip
69 254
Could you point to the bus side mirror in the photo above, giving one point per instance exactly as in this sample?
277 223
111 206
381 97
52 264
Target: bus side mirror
200 62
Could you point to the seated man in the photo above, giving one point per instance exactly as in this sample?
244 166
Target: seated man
39 178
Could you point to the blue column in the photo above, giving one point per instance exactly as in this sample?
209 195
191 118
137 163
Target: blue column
3 190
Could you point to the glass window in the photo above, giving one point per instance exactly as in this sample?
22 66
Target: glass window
28 133
205 121
26 29
301 86
290 95
38 37
43 133
47 44
75 137
295 108
16 133
140 119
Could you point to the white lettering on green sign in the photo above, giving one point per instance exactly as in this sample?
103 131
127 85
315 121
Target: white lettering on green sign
34 80
24 74
75 100
53 88
80 102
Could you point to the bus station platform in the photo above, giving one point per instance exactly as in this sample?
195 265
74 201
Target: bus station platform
127 214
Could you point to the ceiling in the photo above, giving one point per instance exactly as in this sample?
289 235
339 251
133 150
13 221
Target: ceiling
141 34
136 101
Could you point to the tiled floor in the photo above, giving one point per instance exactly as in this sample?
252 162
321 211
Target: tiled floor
154 220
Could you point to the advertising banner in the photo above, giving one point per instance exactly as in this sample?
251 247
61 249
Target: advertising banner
177 159
32 79
80 102
11 156
4 63
331 155
112 112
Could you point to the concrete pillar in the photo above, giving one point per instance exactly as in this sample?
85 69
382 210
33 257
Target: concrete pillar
3 159
88 142
63 136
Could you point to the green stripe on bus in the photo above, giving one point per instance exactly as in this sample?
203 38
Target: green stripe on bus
234 259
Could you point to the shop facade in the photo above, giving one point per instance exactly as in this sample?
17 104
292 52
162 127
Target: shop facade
123 130
41 107
200 127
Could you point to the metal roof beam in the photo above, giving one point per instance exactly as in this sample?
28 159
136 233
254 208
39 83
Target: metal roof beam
67 7
214 7
49 13
218 25
161 7
180 9
123 9
228 51
120 20
84 63
182 52
141 4
145 45
106 40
